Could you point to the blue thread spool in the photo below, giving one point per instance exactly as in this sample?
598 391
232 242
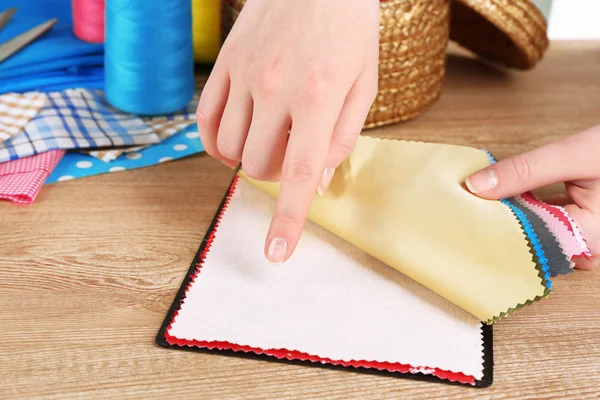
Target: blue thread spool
149 66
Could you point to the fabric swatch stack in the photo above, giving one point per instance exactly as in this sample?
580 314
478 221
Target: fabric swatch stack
55 123
74 133
396 272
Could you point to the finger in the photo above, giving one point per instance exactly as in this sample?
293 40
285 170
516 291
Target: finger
564 200
558 199
588 223
572 158
585 264
304 162
349 125
235 123
265 146
210 108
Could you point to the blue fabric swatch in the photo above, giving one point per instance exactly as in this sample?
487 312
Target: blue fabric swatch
76 119
529 232
76 165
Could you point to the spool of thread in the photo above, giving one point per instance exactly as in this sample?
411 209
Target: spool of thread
206 29
148 60
88 20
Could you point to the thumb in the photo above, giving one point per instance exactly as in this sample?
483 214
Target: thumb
508 177
569 159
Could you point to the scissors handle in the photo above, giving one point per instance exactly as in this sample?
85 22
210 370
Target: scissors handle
17 43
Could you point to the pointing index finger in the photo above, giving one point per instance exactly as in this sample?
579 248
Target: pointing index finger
303 167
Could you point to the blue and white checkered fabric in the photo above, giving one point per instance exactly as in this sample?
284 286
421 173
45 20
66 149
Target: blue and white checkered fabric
185 113
77 119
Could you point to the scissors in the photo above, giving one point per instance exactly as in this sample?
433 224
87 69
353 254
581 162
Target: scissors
17 43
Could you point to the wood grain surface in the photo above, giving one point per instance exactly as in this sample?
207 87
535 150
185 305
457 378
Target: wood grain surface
88 272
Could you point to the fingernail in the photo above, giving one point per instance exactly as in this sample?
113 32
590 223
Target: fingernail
230 164
325 180
277 250
482 181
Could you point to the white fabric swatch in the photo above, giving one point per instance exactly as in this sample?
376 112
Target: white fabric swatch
330 299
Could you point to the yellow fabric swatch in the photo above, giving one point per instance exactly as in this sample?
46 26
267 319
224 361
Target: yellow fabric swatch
405 204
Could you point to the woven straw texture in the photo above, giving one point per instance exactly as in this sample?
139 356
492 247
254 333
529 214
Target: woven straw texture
512 33
414 35
412 58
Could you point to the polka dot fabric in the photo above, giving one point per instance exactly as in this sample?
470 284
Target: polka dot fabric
77 165
22 179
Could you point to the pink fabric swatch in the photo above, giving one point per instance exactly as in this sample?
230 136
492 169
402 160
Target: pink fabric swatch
566 240
585 250
561 225
22 179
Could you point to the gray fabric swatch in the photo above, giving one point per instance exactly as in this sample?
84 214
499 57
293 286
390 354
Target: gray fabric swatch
558 261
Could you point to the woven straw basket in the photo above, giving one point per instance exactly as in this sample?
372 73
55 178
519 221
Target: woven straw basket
414 35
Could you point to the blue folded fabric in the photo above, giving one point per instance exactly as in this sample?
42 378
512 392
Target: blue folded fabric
56 61
54 82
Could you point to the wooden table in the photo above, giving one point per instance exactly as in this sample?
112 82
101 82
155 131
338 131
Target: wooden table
88 272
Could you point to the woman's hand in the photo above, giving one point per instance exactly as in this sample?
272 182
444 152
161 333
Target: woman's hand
308 67
574 160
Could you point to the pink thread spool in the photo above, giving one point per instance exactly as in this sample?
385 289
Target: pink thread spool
88 20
